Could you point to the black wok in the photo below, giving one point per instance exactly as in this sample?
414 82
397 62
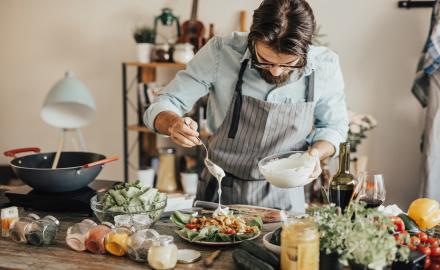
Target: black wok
74 171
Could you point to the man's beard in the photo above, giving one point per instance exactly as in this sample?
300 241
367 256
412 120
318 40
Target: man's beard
270 79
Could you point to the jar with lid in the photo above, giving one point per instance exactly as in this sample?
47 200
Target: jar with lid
17 230
299 244
166 175
163 253
162 52
77 234
96 236
139 243
183 53
116 240
42 231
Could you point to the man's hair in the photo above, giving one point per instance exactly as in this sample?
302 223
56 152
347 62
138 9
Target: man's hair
286 26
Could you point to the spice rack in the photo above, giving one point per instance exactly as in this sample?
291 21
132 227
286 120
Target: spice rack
144 73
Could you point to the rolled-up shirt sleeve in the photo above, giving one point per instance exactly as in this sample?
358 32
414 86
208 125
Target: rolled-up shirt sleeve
188 85
331 120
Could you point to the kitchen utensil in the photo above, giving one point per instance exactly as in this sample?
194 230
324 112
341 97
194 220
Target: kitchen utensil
209 261
292 169
267 244
75 169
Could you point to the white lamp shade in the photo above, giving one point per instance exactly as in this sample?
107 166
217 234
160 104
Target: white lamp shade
69 104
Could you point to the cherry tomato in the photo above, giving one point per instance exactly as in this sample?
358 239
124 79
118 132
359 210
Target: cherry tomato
415 240
191 226
398 223
412 246
425 250
230 231
435 251
433 242
422 236
427 262
435 266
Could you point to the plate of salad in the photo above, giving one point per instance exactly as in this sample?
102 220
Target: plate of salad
228 229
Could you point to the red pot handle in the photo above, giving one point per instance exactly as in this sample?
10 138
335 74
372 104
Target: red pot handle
100 162
13 152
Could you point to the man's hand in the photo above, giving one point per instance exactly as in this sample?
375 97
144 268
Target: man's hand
183 131
317 171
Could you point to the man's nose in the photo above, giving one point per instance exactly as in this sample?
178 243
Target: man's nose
276 71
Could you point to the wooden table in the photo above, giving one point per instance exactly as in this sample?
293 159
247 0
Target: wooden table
60 256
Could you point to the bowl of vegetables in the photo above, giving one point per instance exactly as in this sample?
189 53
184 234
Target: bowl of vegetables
132 199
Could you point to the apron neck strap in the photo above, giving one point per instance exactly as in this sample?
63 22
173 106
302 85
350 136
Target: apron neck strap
310 91
239 84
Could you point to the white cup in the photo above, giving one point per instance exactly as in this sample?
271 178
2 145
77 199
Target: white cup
146 177
189 182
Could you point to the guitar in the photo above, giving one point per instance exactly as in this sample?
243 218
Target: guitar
193 31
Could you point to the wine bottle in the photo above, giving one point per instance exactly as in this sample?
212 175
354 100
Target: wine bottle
343 183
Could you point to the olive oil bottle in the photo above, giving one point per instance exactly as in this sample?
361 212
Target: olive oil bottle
343 183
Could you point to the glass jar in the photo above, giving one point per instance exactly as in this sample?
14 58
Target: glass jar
166 175
77 234
42 231
17 230
139 243
163 253
123 221
8 216
183 53
299 244
162 52
141 222
95 239
116 241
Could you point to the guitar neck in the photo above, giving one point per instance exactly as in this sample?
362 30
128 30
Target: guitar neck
195 5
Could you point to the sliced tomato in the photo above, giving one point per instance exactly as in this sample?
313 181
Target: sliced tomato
191 226
231 231
422 236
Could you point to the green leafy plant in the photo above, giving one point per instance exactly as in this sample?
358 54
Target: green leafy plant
360 235
144 34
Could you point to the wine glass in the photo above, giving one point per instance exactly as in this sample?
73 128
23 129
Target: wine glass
371 189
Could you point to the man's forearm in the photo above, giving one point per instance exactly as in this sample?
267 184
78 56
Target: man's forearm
325 149
164 121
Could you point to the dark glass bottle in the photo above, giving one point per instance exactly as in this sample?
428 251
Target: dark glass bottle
343 183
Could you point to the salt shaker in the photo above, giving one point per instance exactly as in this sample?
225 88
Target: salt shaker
42 231
163 253
77 234
17 231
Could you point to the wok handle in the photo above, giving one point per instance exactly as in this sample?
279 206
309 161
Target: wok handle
13 152
100 162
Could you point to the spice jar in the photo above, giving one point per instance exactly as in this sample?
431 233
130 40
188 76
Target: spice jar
123 221
77 234
141 222
17 230
42 231
95 239
166 175
116 241
299 244
163 253
139 243
8 216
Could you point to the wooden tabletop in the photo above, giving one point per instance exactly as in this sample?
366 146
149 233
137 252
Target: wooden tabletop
60 256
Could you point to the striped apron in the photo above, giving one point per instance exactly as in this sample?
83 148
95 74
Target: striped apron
252 130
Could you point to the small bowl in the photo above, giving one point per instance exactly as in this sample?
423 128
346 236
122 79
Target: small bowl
267 244
280 178
108 216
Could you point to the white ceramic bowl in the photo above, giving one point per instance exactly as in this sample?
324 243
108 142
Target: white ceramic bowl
274 248
283 171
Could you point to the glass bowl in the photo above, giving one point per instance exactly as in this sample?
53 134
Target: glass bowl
287 173
108 216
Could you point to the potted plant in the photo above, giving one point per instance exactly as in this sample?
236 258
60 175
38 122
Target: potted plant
144 37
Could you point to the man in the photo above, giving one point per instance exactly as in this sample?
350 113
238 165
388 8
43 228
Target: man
270 91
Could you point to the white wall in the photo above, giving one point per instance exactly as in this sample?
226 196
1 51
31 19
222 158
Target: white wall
378 46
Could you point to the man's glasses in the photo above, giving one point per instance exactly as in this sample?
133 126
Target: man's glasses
256 62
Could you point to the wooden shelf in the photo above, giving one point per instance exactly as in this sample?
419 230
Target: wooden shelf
156 65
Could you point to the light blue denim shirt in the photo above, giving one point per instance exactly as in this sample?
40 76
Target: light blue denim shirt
214 71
